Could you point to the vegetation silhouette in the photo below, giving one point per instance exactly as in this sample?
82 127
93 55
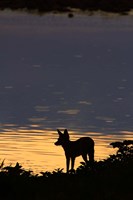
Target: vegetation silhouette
107 179
83 146
42 6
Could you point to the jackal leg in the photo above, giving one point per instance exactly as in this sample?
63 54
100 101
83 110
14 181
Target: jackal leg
84 156
72 163
91 156
67 163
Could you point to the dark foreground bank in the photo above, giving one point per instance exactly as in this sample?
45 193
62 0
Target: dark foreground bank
105 180
119 6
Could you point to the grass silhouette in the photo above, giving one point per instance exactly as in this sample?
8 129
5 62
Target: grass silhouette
105 180
119 6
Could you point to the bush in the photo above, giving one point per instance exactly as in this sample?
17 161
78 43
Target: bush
104 180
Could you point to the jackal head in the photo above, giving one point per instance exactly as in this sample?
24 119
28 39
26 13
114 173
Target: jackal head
63 137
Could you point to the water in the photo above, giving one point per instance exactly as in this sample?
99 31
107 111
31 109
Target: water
57 72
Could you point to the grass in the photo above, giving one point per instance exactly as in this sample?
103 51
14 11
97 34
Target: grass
42 6
105 180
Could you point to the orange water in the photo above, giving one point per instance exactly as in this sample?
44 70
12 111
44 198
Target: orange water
34 148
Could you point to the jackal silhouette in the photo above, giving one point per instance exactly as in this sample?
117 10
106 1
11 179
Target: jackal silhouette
83 146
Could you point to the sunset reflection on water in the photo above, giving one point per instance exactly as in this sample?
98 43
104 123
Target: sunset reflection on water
34 148
57 72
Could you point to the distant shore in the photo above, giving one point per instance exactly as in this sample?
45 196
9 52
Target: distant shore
44 6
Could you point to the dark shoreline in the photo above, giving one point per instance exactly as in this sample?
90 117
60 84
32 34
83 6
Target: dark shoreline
45 6
104 180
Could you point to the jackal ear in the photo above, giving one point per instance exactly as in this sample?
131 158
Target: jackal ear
59 132
66 133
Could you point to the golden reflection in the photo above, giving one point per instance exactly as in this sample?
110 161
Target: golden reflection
34 148
69 111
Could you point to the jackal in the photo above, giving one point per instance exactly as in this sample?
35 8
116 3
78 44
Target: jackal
83 146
